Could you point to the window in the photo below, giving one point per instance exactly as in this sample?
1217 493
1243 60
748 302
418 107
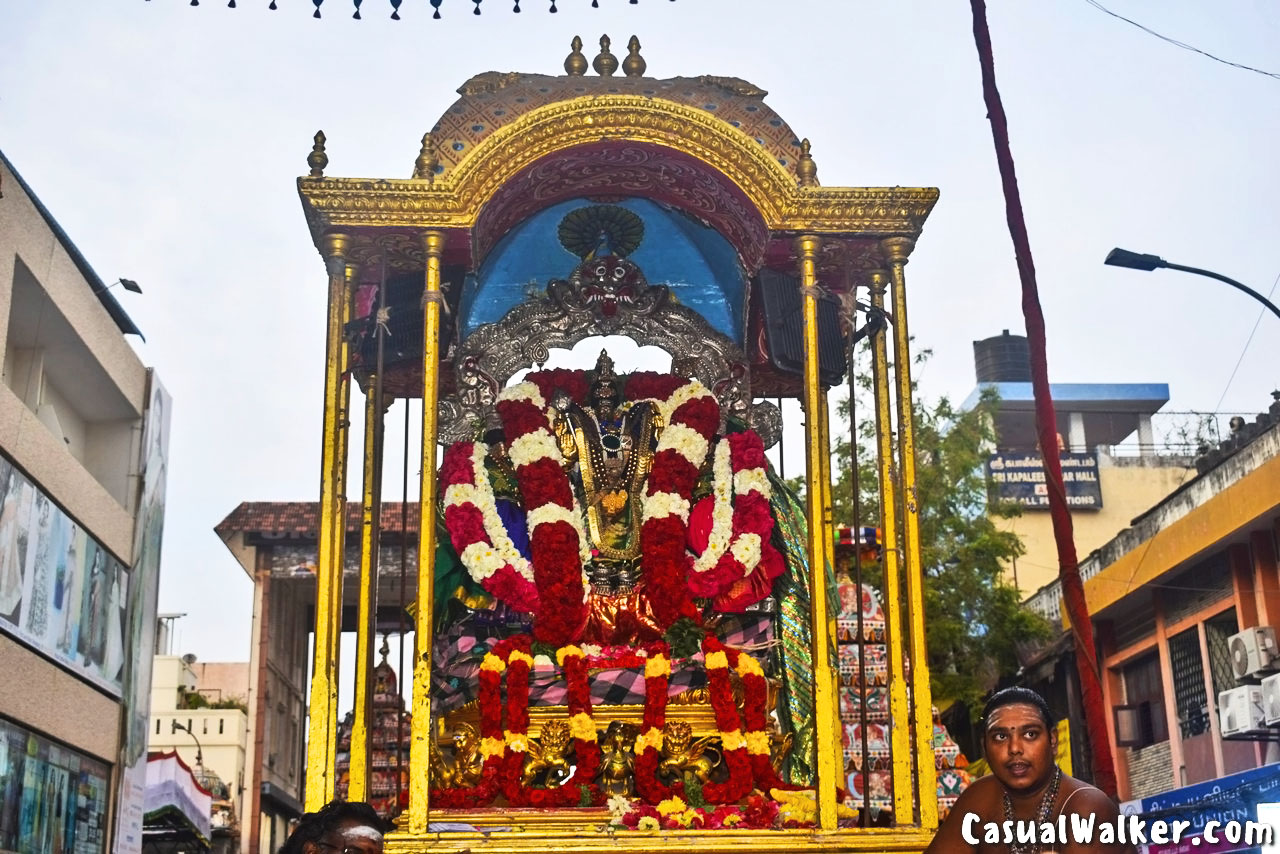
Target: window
1217 632
1141 720
220 723
1188 682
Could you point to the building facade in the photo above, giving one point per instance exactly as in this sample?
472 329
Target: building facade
82 447
1167 596
1114 464
200 711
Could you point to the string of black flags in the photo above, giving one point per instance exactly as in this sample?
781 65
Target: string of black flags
435 6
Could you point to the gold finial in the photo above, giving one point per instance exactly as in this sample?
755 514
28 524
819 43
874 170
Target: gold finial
806 169
424 168
634 65
317 159
575 64
605 63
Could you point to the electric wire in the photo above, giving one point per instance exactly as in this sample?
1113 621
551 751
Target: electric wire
1272 74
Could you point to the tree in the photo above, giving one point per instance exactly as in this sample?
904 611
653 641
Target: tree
974 619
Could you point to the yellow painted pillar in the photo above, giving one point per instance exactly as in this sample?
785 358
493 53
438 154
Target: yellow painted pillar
830 764
899 712
351 271
896 250
420 743
358 786
322 728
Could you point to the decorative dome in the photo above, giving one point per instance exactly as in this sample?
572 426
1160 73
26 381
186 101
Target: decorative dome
494 99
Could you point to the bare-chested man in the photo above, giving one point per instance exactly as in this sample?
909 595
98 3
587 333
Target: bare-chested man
1027 789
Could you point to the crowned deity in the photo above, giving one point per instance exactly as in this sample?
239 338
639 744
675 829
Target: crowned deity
608 446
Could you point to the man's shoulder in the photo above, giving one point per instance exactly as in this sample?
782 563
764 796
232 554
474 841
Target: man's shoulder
1081 798
982 795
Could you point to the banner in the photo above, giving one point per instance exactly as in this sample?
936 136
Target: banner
148 530
60 591
1234 798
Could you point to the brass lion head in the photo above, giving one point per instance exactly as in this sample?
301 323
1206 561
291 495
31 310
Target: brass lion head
555 737
676 737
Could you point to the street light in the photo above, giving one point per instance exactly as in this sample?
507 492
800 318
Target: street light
199 753
1139 261
128 284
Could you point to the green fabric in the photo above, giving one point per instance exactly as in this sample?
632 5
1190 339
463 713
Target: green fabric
795 649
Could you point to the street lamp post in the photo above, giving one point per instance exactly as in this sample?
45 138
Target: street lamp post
1139 261
199 752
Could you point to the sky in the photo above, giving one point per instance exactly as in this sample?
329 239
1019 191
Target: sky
166 140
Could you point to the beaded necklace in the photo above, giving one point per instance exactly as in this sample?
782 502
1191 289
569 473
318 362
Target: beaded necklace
1042 814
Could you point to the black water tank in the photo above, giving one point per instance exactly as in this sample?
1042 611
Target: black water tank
1002 359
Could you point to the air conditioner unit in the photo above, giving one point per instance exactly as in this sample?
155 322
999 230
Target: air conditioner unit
1271 699
1253 652
1240 711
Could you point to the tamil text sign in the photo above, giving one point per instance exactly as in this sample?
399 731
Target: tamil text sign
1021 478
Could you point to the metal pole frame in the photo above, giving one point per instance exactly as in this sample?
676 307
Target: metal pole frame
421 731
897 249
829 753
322 728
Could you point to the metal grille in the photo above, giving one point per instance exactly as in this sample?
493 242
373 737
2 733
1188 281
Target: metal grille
1188 682
1217 631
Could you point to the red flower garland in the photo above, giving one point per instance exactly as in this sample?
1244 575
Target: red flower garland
648 747
555 544
733 743
571 382
491 736
664 560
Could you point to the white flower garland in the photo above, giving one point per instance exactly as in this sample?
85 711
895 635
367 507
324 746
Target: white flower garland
722 483
482 560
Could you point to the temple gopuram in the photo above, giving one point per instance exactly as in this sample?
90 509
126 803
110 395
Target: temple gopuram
627 626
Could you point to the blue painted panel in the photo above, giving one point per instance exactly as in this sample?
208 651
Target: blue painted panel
1157 393
699 265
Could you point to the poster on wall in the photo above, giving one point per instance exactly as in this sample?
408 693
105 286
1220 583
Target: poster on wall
61 592
53 800
148 532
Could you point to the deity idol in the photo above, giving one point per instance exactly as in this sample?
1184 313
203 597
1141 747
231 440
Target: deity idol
609 511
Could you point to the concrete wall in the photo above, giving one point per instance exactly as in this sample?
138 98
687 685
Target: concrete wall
1130 486
54 702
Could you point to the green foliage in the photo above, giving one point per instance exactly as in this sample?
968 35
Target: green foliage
684 637
974 619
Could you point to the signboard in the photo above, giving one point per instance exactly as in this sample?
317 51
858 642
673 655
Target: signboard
1234 798
1021 478
148 529
60 591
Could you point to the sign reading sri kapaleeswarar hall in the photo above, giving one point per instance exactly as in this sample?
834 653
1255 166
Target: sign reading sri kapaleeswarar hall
1020 478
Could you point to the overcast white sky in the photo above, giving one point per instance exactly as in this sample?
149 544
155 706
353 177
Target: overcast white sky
166 138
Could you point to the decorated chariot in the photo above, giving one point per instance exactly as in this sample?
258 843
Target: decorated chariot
626 621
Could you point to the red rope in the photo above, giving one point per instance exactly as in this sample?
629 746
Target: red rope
1046 420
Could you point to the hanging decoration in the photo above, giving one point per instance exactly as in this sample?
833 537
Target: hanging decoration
395 7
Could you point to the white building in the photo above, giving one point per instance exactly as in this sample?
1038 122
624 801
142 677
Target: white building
207 724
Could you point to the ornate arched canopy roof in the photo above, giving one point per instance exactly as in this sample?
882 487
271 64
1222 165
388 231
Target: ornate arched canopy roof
514 145
493 100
